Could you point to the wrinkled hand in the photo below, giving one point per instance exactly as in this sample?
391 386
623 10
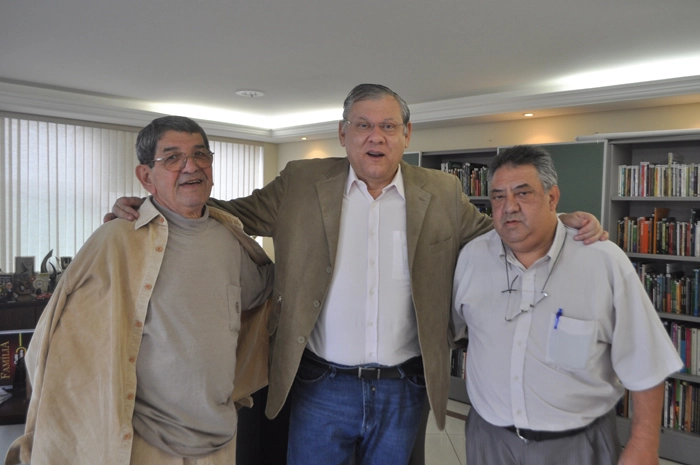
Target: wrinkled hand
589 228
125 208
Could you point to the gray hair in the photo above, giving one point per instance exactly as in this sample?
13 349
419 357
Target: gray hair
520 155
148 137
375 92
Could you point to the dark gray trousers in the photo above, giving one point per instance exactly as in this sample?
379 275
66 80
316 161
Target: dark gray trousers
487 444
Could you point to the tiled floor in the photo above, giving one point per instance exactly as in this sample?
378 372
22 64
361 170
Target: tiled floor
447 447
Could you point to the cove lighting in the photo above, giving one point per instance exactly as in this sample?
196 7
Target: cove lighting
641 72
247 119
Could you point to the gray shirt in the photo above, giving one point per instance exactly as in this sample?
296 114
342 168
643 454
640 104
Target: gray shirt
185 369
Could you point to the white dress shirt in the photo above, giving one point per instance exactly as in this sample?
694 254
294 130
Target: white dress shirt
368 315
528 368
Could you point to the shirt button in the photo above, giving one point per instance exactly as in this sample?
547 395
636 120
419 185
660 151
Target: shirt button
371 262
127 436
370 324
139 324
518 412
329 270
159 249
301 339
516 378
148 287
132 359
162 220
371 292
317 303
130 396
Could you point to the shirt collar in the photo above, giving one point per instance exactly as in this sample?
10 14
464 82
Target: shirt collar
353 180
559 237
148 211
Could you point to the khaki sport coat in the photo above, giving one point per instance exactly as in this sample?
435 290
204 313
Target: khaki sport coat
300 210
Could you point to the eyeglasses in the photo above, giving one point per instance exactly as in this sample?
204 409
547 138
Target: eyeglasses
363 127
177 161
510 283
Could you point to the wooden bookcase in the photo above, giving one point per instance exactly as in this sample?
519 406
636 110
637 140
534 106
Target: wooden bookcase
635 149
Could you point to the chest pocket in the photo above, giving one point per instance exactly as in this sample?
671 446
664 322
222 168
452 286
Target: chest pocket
399 266
570 344
233 294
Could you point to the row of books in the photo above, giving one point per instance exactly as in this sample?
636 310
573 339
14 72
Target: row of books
671 179
685 339
669 289
660 234
474 176
681 407
458 363
13 346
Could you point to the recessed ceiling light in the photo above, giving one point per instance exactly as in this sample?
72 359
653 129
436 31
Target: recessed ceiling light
303 138
528 114
250 93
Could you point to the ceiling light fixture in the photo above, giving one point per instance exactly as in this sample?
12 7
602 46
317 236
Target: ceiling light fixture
528 114
303 138
250 93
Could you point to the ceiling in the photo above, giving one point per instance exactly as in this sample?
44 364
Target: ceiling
454 62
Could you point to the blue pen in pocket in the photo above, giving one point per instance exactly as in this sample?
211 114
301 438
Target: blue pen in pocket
556 320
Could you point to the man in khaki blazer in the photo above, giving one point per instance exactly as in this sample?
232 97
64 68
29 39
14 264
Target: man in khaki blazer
302 209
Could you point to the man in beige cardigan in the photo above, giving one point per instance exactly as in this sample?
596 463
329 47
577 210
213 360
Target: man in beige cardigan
365 248
134 360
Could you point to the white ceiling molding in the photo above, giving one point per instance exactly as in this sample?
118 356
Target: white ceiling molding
108 109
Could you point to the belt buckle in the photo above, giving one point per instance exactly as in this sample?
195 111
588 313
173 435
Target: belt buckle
360 369
517 431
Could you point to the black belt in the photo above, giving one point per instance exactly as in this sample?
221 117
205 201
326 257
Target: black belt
411 367
530 435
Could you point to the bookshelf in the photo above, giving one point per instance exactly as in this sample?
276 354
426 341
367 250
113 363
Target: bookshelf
436 160
643 181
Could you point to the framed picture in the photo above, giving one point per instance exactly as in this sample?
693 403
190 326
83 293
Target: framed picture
24 265
6 294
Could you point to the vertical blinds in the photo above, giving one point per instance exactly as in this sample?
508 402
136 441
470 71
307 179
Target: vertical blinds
57 180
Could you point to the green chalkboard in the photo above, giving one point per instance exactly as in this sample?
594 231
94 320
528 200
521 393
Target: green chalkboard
580 169
412 158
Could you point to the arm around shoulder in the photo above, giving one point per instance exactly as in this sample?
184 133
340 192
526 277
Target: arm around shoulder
258 211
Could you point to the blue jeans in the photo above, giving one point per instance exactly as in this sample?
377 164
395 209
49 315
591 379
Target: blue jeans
337 416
